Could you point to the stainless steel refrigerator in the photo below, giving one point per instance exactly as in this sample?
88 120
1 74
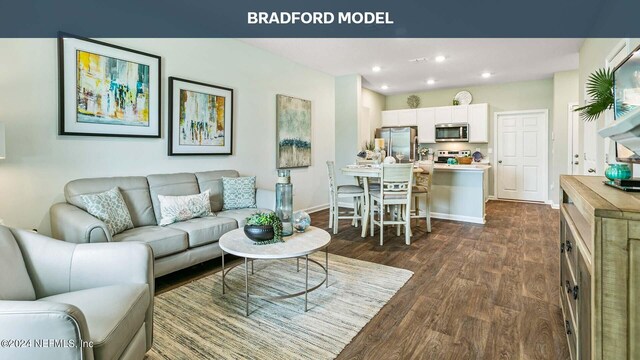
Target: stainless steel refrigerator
401 140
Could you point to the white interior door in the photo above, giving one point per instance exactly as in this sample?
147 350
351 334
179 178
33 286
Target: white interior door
522 155
590 136
575 160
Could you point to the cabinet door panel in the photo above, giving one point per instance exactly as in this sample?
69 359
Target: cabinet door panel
584 309
426 125
478 123
443 115
459 114
390 118
407 117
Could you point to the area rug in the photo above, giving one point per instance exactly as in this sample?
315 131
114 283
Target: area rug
195 321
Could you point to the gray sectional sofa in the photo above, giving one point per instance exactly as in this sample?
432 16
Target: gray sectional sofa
175 246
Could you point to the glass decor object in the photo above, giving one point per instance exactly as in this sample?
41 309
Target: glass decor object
618 171
301 221
284 201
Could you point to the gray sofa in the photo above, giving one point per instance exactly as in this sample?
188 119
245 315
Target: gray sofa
175 246
72 293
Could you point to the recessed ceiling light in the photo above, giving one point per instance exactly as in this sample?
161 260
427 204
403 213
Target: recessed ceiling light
431 82
440 58
384 87
486 74
376 69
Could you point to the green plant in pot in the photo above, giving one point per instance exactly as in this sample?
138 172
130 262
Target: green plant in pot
600 90
264 227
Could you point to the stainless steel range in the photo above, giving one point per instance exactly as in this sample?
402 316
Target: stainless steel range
443 155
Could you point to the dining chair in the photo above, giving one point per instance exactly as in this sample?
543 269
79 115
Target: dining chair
396 182
355 192
422 191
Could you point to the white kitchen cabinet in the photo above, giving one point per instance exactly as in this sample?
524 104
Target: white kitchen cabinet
390 118
478 118
426 119
443 115
407 117
459 114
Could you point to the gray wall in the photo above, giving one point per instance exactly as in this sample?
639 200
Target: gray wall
39 162
347 107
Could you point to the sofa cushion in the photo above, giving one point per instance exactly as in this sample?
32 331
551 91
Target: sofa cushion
212 181
172 185
163 240
204 231
109 206
114 314
240 215
15 283
134 190
238 192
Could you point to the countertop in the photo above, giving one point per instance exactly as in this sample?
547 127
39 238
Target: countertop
471 167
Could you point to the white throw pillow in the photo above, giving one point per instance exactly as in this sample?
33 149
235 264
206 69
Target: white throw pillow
180 208
109 206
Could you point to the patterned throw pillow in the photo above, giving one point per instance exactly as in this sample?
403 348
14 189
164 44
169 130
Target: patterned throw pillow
109 207
238 192
181 208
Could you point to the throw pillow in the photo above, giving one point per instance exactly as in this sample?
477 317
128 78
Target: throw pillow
109 206
238 192
181 208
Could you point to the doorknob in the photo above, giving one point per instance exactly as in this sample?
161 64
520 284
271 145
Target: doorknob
499 161
592 170
576 156
576 162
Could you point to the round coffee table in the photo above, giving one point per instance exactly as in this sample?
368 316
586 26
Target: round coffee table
298 245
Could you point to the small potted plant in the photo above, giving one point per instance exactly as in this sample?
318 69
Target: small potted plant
263 226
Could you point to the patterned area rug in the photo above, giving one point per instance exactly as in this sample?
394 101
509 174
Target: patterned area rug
195 321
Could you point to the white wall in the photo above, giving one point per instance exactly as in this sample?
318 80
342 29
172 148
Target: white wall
565 91
348 102
39 162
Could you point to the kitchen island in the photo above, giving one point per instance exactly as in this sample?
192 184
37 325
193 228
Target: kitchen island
459 192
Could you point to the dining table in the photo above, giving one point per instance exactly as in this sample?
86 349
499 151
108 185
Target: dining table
365 173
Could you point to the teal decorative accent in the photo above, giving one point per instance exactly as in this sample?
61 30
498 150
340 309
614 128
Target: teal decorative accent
452 161
284 201
618 171
180 208
238 192
109 206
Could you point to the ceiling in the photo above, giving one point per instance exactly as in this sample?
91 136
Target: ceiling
507 60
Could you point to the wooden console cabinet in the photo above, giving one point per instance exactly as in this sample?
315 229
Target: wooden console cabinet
600 269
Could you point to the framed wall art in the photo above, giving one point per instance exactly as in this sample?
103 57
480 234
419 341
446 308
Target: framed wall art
107 90
201 118
293 132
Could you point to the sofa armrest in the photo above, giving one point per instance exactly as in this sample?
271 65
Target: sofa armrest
266 199
73 224
95 265
28 327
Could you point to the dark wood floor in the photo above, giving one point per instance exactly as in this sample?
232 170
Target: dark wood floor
478 291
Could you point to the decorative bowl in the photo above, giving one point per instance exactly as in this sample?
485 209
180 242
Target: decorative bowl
464 160
618 171
259 232
452 161
301 221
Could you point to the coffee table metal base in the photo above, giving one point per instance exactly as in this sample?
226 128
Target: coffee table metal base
305 292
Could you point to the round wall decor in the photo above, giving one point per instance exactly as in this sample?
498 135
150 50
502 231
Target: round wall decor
463 97
413 101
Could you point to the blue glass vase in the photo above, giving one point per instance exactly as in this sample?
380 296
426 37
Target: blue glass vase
618 171
284 201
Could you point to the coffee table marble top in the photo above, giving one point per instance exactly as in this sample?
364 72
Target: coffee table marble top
235 242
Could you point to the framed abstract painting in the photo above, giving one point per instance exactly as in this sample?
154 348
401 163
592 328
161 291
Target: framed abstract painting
201 118
107 90
293 132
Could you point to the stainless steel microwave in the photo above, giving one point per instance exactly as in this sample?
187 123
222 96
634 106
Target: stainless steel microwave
452 132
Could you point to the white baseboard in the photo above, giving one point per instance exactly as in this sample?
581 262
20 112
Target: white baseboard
470 219
316 208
